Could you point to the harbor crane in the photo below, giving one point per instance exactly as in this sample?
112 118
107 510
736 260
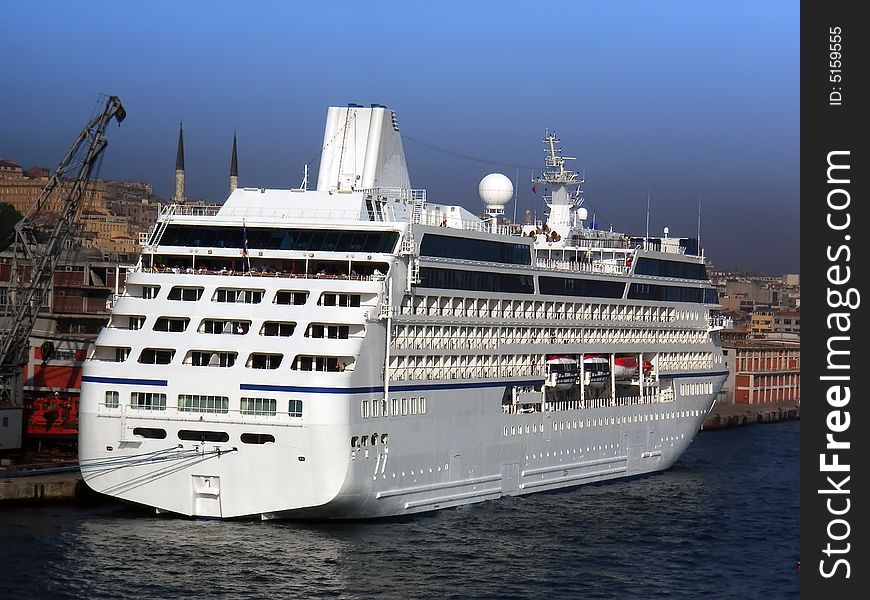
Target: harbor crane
39 239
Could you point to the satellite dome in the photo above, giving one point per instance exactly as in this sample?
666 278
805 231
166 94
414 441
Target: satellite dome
582 214
495 190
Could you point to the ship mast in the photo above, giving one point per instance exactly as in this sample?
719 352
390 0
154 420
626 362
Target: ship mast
564 185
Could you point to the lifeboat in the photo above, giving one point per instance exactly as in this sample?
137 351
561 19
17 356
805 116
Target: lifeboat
596 370
625 367
562 372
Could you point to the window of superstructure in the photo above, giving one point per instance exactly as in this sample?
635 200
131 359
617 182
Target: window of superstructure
364 409
275 238
467 248
317 363
211 358
671 293
572 286
156 356
203 404
132 322
224 326
291 297
185 294
258 406
477 281
244 296
278 328
147 401
263 360
670 268
294 408
112 399
336 299
149 292
323 330
171 324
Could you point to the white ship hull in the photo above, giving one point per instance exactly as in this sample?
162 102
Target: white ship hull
463 450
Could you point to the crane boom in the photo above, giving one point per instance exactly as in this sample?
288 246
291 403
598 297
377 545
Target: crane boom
39 242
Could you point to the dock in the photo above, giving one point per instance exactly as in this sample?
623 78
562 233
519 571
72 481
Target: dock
725 416
41 488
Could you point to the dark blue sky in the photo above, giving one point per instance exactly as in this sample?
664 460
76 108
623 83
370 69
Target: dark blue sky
685 99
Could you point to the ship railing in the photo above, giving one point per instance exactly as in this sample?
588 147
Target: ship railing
653 397
437 218
292 214
602 268
256 273
189 210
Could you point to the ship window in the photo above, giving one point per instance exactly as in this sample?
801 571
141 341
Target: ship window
204 404
150 433
374 439
364 409
240 296
274 238
186 294
278 328
258 406
384 407
156 356
404 406
210 358
455 279
376 409
257 438
384 438
224 326
148 401
291 297
174 324
670 268
335 299
395 406
203 436
443 246
112 399
593 288
133 322
414 406
261 360
671 293
149 292
354 441
317 363
334 332
294 408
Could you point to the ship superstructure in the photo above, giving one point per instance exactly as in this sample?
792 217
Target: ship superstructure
357 351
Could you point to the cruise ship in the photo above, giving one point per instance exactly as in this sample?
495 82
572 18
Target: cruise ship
356 351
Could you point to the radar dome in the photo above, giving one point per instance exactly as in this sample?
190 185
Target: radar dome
495 190
582 214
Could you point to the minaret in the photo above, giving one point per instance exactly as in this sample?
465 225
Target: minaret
234 168
179 168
